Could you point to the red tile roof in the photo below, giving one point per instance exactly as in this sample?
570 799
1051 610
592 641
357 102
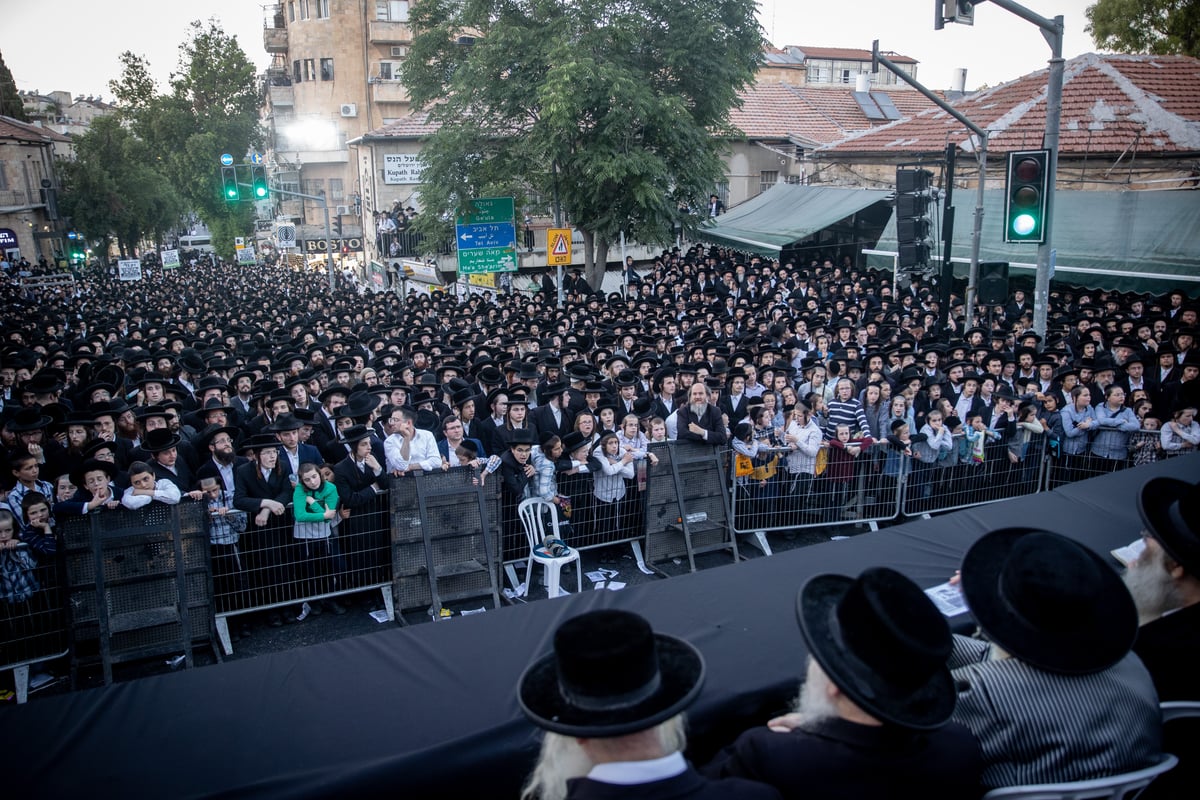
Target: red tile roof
817 115
22 131
416 125
1111 104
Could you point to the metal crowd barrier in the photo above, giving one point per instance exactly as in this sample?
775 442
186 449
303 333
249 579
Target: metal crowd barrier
33 625
961 479
1144 447
841 486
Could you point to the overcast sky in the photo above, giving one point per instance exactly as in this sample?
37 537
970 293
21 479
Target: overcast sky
73 45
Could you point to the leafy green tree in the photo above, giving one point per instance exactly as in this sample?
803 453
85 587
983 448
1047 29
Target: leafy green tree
1161 27
211 108
617 107
111 188
10 99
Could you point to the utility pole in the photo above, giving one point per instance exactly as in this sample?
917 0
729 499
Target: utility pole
1052 32
328 232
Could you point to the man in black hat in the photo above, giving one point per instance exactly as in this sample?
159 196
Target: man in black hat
872 719
222 462
1041 693
610 697
165 463
552 415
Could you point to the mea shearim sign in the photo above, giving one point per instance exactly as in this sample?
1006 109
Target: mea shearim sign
402 168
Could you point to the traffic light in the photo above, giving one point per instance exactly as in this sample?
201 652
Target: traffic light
1025 189
961 12
258 181
229 185
337 226
914 225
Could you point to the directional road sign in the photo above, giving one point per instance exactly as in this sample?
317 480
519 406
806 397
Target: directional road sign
487 236
226 160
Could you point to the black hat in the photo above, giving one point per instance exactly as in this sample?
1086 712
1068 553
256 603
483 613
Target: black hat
1170 508
284 422
610 675
91 464
1048 600
259 441
521 436
29 419
552 390
573 441
159 439
883 643
205 437
355 433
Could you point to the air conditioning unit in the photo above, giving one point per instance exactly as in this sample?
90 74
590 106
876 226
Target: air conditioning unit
399 51
344 211
349 110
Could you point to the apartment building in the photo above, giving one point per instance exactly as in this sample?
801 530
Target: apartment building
334 75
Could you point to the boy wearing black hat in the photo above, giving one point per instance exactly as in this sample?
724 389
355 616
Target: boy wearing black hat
610 697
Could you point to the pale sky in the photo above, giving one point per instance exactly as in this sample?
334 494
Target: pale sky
73 45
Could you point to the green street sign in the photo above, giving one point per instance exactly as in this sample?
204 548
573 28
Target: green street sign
487 209
487 259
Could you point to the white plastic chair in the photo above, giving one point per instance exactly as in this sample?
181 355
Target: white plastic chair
534 514
1114 787
1178 709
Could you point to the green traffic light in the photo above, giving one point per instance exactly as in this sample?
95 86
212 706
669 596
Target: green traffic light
260 191
1024 224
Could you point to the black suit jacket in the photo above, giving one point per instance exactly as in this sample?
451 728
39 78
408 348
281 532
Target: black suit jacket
710 420
543 421
689 784
354 486
838 759
250 489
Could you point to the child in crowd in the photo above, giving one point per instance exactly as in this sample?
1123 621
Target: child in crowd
314 505
37 526
17 566
658 429
225 526
613 469
1146 444
844 449
144 489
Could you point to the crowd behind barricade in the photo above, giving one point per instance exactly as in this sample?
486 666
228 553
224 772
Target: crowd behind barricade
287 410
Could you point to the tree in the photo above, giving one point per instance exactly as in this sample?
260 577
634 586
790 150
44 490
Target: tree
10 98
211 108
1161 27
617 107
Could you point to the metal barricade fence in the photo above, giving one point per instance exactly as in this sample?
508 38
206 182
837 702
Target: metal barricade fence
1142 447
275 568
687 503
33 625
778 491
969 475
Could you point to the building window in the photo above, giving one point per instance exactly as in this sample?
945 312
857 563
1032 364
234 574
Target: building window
3 178
314 187
391 10
322 8
818 74
297 75
326 69
847 77
310 69
389 70
303 8
337 192
291 10
767 178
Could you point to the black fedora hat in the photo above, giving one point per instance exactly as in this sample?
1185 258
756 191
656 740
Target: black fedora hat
610 674
1048 600
883 643
259 441
284 422
91 464
521 436
1170 508
355 433
573 441
159 439
29 419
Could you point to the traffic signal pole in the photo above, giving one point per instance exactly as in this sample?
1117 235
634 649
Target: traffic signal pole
1052 32
328 231
982 136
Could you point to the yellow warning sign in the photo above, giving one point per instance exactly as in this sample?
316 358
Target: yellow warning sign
558 246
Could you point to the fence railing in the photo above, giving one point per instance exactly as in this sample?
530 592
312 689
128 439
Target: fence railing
434 538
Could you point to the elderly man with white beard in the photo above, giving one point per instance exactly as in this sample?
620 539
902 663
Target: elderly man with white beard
873 716
1165 584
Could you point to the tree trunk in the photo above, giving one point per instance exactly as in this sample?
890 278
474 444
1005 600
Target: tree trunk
595 257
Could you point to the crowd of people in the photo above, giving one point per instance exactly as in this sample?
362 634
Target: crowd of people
286 410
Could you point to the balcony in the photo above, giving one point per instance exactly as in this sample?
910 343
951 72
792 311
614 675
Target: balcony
304 157
389 92
281 96
385 32
275 40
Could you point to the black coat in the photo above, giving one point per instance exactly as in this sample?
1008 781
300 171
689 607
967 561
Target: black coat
710 420
250 489
835 758
542 420
689 784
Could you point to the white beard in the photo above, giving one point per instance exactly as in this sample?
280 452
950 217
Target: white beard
813 703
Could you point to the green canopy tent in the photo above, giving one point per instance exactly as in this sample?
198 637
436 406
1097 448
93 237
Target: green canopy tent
1118 241
784 215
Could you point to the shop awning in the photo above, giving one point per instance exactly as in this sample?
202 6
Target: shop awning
786 214
1118 241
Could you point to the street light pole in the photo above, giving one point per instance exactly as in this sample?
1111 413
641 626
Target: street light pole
328 231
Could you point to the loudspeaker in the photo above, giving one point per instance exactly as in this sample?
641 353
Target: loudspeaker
993 282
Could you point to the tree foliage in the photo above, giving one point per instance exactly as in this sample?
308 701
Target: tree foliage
210 108
1161 27
615 106
10 99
